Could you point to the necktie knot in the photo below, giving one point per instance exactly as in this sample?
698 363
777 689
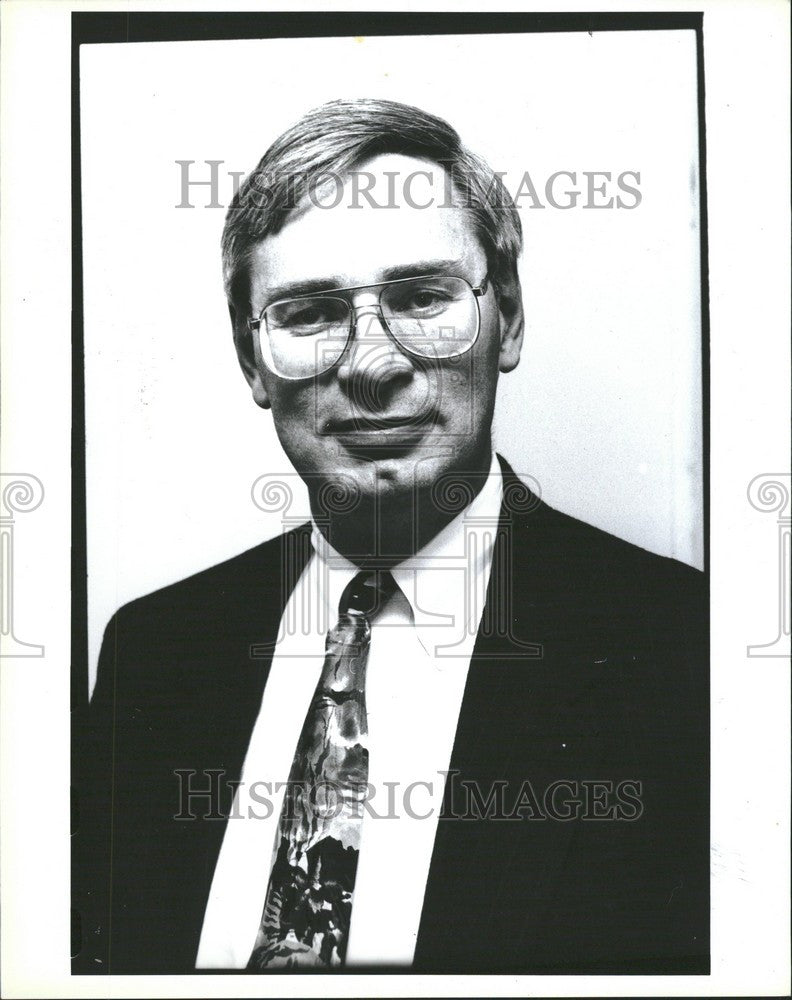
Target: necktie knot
366 593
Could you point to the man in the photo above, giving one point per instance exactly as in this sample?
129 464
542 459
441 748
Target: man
442 727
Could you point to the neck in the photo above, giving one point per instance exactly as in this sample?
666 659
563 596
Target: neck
389 526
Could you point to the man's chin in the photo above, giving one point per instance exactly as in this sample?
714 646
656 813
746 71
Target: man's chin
383 473
356 483
388 477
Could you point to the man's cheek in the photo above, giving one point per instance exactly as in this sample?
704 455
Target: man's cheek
294 415
459 396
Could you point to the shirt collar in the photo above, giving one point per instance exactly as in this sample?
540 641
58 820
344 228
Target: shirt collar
445 582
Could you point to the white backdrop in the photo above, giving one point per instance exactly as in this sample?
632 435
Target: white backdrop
747 97
604 410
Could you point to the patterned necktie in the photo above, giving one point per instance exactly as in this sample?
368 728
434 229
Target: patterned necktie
306 915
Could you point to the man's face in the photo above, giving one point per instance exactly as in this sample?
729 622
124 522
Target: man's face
438 412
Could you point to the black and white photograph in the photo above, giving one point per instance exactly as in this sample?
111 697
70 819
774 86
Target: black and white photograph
442 723
394 564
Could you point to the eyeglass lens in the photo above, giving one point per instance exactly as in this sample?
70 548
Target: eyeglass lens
434 317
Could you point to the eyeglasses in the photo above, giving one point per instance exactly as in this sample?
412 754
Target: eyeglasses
430 316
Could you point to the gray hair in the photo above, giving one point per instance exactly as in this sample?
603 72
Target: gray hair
334 139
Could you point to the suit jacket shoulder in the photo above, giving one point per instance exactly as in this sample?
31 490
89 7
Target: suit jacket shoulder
588 686
179 684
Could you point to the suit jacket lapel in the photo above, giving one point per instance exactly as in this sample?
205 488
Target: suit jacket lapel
506 736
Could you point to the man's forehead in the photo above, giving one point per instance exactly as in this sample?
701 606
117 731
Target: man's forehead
348 236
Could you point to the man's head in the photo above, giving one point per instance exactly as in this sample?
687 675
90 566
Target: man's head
387 385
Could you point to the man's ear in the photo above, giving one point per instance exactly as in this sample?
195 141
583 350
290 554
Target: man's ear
243 342
512 323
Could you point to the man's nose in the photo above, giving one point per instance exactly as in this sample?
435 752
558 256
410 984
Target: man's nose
373 366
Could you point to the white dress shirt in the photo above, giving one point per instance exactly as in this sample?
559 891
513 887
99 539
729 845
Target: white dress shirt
421 644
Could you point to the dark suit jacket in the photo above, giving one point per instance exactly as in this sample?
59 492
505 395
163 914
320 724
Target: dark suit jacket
591 665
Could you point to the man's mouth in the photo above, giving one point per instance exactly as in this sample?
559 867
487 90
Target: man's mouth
382 435
379 424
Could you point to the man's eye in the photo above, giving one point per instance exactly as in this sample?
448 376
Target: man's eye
425 299
419 300
308 317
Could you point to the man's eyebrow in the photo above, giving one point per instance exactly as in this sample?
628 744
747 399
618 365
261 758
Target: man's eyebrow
309 286
416 268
